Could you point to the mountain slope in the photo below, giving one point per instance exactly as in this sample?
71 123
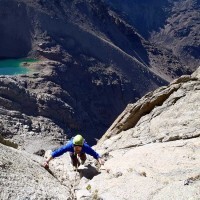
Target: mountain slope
92 63
171 25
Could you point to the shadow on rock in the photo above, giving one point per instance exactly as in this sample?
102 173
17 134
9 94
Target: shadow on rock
88 172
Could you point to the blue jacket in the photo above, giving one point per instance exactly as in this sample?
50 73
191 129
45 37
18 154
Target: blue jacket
70 147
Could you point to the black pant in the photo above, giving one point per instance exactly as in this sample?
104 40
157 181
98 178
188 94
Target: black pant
74 159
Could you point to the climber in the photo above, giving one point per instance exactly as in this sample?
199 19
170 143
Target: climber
77 147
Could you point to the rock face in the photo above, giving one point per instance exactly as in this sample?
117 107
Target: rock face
22 178
153 171
154 110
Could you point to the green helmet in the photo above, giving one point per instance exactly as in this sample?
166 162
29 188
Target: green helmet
78 140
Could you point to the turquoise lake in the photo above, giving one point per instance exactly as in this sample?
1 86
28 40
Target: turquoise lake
14 66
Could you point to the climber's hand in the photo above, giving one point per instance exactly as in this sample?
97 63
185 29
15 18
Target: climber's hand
101 161
46 165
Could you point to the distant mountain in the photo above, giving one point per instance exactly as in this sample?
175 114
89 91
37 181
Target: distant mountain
171 25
